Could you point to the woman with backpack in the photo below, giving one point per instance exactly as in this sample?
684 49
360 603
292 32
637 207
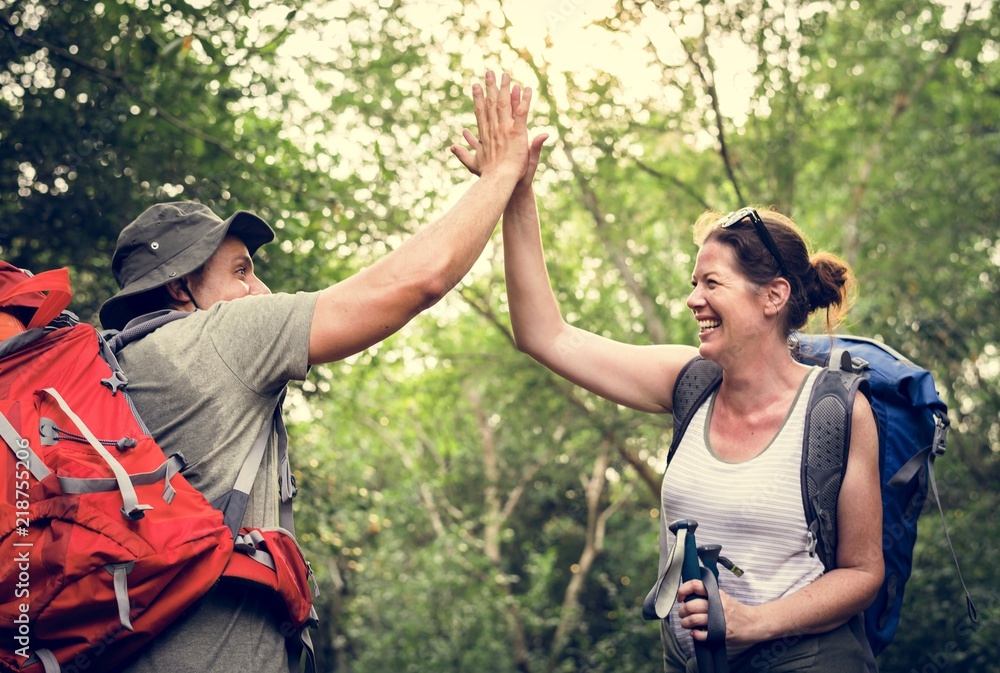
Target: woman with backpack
737 470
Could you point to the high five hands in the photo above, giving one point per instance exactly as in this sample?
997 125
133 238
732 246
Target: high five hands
501 117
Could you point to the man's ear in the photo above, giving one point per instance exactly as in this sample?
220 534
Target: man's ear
778 292
177 291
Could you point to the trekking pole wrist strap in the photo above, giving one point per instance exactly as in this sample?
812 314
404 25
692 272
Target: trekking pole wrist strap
660 599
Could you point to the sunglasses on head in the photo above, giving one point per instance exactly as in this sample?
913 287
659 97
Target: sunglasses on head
736 217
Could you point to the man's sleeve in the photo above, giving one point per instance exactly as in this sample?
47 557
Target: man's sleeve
264 340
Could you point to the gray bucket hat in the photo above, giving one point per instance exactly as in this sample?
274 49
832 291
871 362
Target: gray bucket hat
167 242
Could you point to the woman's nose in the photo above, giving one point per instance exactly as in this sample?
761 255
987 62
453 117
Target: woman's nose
694 299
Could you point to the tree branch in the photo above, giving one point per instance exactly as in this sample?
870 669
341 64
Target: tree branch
708 79
569 614
495 518
483 308
652 479
674 180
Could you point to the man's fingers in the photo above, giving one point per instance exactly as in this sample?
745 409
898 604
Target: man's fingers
691 609
491 104
515 98
690 587
479 107
696 622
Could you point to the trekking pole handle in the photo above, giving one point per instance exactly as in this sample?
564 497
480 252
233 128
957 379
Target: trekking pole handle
691 570
690 567
709 556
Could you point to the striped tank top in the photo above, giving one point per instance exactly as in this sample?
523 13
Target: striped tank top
752 508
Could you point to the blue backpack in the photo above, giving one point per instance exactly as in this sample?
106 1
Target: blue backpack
912 427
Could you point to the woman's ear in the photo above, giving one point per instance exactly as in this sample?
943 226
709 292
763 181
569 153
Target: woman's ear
778 292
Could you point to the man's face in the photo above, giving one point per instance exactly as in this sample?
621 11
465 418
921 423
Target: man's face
227 275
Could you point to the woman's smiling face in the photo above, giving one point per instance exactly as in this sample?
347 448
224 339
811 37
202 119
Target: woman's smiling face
728 308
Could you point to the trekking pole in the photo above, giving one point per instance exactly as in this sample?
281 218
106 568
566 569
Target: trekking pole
691 570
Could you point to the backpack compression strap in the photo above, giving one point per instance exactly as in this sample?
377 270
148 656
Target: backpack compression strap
22 450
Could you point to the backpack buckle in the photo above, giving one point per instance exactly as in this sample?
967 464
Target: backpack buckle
811 542
941 424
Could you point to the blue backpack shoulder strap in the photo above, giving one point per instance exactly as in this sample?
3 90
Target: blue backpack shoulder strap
825 446
695 383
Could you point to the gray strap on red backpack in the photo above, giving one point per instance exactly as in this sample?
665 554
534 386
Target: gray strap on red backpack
22 450
233 503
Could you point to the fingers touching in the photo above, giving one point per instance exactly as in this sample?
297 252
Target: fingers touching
501 110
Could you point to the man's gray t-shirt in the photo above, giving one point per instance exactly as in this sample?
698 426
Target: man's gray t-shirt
206 386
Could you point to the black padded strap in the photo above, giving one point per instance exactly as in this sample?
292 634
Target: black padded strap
296 646
826 444
695 383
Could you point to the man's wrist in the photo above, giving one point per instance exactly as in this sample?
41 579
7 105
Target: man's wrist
501 180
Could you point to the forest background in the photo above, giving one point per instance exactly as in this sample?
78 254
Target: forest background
465 509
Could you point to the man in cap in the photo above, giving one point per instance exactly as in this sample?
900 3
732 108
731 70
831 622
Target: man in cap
207 384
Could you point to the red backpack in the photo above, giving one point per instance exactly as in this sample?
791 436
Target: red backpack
104 541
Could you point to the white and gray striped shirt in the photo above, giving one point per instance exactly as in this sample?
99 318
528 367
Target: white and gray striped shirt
752 508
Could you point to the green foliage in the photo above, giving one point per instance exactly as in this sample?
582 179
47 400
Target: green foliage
443 475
